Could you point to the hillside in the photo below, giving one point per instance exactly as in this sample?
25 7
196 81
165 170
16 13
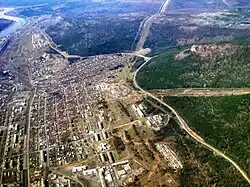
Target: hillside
222 121
215 65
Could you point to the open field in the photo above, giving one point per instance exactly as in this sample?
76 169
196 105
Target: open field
137 143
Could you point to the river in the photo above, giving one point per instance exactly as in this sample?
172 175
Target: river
18 22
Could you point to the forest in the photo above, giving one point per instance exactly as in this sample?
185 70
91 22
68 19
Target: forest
222 71
201 166
224 122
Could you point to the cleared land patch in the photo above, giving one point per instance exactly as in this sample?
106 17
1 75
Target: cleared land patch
198 92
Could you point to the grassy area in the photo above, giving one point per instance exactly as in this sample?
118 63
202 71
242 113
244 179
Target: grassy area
125 74
224 122
120 114
131 142
164 71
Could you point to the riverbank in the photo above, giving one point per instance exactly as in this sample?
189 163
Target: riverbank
5 23
17 22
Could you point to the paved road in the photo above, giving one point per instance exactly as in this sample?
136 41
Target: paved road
26 177
139 32
54 46
144 33
226 3
185 126
4 141
146 25
73 178
165 5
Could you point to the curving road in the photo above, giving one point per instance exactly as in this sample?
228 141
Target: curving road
144 33
185 126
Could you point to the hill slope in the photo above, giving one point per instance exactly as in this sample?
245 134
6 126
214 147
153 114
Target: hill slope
228 68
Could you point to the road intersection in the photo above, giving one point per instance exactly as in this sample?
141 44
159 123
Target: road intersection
144 34
184 125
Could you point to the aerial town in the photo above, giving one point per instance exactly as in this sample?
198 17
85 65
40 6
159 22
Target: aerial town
86 89
69 129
